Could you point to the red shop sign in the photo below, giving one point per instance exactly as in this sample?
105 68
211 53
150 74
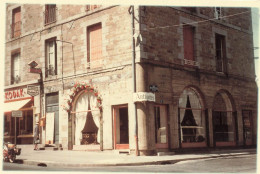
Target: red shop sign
15 94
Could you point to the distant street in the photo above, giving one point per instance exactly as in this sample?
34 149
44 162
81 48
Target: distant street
238 164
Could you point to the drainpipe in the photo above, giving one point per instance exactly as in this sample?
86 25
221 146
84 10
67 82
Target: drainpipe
134 80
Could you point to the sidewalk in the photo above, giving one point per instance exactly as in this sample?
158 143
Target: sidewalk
67 158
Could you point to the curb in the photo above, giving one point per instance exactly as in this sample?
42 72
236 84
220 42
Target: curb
162 162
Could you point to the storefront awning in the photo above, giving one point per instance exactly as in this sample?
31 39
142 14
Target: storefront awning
16 105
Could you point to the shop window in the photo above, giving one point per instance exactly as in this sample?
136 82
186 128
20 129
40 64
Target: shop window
50 13
51 57
223 121
160 117
223 126
220 53
192 120
26 123
16 23
15 68
247 127
94 46
7 125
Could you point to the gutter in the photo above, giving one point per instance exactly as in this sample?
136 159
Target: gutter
131 11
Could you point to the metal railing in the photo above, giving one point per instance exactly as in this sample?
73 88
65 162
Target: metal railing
219 65
16 29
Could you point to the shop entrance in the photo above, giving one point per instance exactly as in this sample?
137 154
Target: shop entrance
224 120
52 110
247 128
121 129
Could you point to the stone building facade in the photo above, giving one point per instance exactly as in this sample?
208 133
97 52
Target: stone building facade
195 63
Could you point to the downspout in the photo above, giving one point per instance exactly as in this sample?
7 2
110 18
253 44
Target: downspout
134 80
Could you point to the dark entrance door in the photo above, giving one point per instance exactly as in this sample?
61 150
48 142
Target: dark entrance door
121 128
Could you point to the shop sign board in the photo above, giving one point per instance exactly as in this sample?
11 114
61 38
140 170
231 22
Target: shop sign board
33 90
16 94
17 113
143 96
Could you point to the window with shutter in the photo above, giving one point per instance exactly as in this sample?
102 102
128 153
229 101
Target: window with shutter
50 14
16 23
94 46
188 44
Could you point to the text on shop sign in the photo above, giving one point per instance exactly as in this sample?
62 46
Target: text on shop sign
144 96
15 94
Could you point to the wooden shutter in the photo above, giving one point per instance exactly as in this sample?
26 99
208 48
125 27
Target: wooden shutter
16 22
95 43
188 42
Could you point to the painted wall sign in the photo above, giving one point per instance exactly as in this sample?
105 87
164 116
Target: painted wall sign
33 90
143 96
16 94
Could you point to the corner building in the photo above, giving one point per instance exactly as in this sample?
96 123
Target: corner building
197 63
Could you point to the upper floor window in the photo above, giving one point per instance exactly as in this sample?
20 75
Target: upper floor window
15 68
91 7
51 57
220 53
50 13
188 45
94 46
16 23
218 12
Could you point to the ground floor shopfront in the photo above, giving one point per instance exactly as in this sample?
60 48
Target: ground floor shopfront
95 116
20 130
90 120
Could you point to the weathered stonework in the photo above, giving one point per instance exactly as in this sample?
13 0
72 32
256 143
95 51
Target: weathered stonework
159 61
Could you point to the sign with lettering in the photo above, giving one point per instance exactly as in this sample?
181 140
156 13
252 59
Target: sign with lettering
16 94
143 96
17 113
33 90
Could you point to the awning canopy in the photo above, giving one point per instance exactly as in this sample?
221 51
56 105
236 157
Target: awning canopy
16 105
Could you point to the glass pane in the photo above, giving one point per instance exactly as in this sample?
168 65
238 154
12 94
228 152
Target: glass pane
52 99
223 126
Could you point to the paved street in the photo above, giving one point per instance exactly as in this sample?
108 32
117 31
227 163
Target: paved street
235 164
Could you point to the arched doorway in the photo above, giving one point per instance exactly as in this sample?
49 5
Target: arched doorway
224 120
84 109
192 120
